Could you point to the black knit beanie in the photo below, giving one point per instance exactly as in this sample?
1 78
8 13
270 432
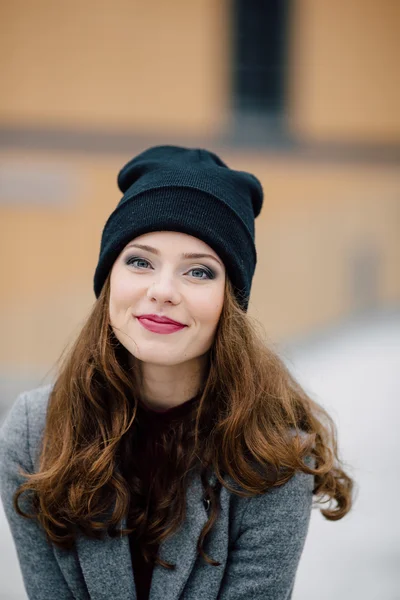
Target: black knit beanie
170 188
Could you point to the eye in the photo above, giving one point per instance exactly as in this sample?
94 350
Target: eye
208 272
131 259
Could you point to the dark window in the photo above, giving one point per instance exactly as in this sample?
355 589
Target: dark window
259 39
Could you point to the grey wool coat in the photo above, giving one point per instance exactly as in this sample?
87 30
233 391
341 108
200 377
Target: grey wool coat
258 541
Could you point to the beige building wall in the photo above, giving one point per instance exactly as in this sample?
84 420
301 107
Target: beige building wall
345 83
164 66
120 65
327 238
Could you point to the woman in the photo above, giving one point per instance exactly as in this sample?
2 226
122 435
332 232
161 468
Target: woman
174 451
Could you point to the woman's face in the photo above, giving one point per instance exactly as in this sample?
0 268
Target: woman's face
160 280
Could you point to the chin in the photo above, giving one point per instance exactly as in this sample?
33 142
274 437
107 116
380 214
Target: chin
161 359
165 360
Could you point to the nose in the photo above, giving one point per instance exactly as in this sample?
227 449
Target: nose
163 289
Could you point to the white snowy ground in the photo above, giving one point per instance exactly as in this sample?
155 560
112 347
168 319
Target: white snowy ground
354 372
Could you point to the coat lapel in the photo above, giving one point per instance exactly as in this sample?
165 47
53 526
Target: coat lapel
107 568
98 569
181 548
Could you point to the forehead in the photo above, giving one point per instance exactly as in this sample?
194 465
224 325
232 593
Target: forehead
174 242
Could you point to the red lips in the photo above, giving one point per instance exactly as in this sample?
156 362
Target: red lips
160 319
156 327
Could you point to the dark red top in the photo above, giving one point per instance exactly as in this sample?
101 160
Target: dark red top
152 422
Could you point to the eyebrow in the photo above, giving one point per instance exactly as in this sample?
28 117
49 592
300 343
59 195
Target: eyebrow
183 255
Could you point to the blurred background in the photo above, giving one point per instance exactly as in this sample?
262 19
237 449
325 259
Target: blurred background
303 93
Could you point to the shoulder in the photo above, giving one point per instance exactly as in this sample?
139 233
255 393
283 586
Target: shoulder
22 429
285 507
276 520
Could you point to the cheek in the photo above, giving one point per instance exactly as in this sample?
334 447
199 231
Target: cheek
209 310
121 293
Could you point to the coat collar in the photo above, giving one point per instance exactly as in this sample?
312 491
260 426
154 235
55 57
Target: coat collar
107 567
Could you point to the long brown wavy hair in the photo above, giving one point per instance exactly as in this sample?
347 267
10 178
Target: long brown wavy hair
86 478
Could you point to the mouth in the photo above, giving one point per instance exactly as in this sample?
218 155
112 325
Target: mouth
157 327
161 319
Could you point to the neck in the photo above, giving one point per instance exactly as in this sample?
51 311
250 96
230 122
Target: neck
167 386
